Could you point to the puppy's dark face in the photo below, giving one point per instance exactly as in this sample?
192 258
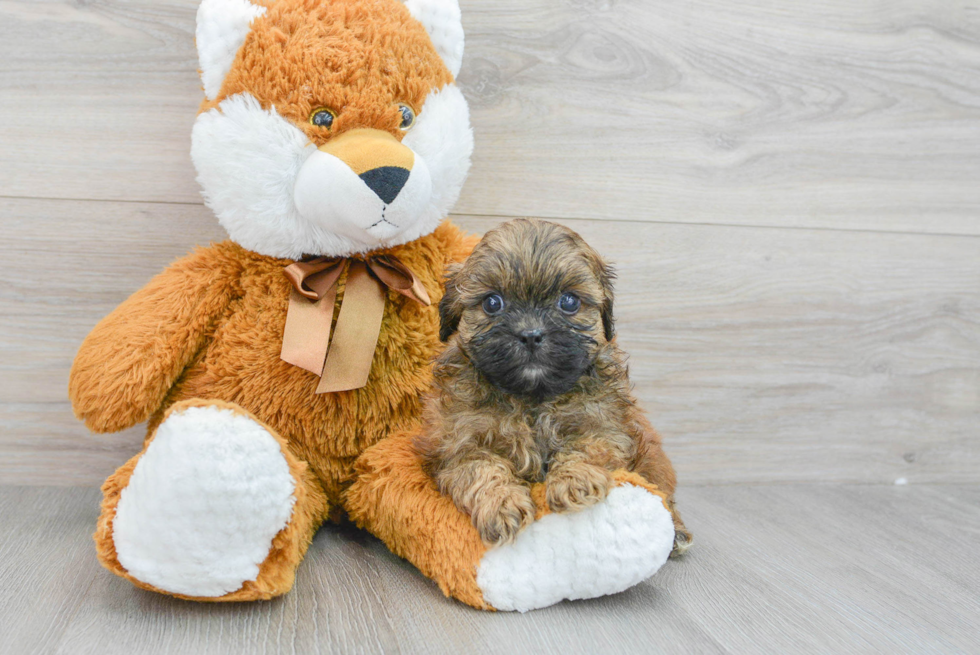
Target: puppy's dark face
531 306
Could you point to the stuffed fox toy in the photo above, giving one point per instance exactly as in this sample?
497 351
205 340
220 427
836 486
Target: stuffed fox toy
281 372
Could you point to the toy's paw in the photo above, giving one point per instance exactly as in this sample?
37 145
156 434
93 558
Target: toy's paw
574 487
501 515
603 549
203 504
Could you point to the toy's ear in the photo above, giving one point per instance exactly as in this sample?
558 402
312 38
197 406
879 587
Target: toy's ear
222 26
449 309
441 19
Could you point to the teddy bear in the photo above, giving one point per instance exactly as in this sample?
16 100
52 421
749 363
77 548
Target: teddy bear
281 372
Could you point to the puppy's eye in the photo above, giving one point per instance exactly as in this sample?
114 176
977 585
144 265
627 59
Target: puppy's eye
569 303
322 117
408 117
493 304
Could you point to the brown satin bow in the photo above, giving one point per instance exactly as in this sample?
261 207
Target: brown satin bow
345 365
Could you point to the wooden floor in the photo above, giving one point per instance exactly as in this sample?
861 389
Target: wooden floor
791 193
778 569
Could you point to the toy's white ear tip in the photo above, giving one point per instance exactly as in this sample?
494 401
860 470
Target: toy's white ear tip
222 26
443 21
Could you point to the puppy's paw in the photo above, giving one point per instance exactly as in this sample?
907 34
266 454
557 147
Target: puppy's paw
682 542
572 487
499 515
683 539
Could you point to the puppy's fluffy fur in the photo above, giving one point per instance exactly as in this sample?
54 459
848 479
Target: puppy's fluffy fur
532 387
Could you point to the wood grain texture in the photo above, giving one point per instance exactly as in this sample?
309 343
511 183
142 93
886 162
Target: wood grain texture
824 114
789 569
763 355
790 194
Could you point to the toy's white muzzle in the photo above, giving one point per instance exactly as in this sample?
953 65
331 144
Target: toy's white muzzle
363 184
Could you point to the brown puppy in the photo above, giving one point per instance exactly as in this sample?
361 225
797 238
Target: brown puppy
532 388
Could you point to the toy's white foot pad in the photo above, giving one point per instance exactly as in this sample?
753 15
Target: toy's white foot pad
601 550
203 504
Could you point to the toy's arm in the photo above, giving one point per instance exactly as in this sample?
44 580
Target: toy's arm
576 555
131 359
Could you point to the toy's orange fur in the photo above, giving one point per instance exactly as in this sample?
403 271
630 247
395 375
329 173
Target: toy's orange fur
348 55
211 326
208 330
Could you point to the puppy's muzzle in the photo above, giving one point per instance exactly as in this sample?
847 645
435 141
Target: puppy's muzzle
377 157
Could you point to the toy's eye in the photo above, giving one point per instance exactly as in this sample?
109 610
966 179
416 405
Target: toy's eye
322 117
493 304
569 303
408 117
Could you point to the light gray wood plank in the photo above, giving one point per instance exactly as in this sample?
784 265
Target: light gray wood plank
47 563
762 354
825 568
831 113
776 568
828 114
98 100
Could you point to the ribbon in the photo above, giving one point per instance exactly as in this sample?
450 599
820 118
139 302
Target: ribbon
345 362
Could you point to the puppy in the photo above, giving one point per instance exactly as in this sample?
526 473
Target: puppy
531 387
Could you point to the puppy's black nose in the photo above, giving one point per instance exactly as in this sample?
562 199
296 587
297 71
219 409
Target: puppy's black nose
532 338
386 181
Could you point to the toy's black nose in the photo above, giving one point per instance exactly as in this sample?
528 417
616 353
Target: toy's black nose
386 181
532 338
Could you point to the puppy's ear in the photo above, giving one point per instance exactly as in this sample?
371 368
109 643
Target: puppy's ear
449 308
606 276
